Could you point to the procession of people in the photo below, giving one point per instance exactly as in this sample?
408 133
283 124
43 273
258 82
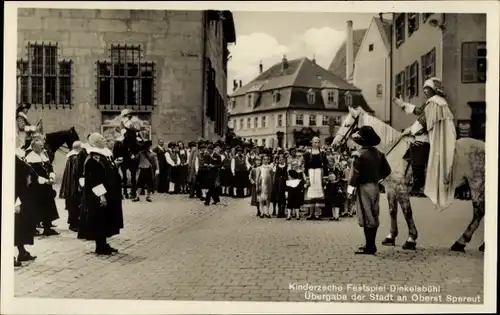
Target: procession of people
312 181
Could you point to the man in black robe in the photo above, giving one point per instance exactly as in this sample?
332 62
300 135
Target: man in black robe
71 190
163 182
102 215
213 163
25 219
43 193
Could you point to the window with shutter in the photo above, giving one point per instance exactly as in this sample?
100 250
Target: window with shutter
474 62
400 29
326 120
400 83
412 23
312 120
428 62
299 120
280 120
379 91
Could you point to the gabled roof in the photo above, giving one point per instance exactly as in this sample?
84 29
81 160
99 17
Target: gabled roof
301 72
338 63
294 82
384 28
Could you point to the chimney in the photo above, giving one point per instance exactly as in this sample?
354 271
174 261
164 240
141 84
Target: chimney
314 59
235 85
261 67
241 84
284 64
349 51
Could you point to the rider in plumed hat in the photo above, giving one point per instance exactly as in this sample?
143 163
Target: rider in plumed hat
25 130
369 167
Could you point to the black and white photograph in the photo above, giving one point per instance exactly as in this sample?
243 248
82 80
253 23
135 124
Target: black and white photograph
327 156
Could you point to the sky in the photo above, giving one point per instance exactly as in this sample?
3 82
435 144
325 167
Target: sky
267 36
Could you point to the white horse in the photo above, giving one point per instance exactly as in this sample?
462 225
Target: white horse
468 164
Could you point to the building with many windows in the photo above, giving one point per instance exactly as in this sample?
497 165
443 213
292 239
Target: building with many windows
82 67
451 47
291 102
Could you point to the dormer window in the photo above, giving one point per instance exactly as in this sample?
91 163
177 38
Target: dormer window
249 101
232 103
276 97
311 97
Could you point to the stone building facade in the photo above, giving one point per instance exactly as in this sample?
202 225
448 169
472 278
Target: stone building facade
80 67
451 47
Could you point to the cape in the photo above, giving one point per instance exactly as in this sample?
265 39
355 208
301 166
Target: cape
69 183
442 139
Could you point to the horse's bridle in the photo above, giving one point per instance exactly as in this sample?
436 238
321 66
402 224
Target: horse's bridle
346 136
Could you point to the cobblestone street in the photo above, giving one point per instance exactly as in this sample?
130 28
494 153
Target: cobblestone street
177 249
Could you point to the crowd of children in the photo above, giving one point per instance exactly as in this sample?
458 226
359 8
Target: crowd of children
278 180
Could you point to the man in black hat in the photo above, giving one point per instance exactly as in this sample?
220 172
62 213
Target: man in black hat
226 176
369 167
162 182
148 170
24 128
240 170
199 170
214 161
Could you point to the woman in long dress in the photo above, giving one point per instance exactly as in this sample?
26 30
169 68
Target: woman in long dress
315 166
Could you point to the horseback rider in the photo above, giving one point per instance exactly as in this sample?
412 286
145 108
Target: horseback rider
25 130
434 145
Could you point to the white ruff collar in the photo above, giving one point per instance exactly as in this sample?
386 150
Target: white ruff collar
293 183
104 152
71 153
33 157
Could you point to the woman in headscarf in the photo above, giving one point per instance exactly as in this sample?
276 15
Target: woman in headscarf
434 145
315 167
102 215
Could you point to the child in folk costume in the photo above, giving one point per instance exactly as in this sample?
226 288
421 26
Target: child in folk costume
334 192
315 166
280 170
183 168
264 185
253 178
173 162
239 169
295 192
369 167
148 169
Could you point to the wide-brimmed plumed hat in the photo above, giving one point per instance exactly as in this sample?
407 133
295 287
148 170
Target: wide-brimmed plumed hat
171 144
366 137
126 112
22 106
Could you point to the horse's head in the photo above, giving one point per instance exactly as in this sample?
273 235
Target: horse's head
352 121
71 137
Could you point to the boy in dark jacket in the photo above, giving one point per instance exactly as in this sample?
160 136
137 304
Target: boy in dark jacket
369 167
